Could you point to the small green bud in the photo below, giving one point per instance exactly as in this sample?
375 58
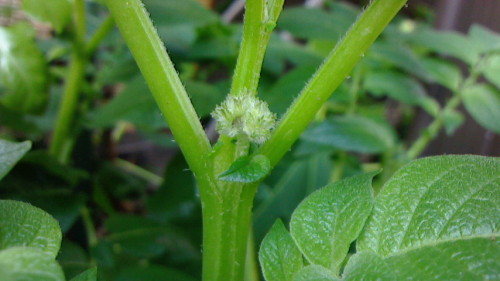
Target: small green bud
245 114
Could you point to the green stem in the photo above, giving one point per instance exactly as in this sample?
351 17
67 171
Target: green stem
157 68
89 227
99 35
251 265
133 169
61 143
330 75
260 18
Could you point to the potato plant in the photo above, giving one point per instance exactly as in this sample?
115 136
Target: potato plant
282 135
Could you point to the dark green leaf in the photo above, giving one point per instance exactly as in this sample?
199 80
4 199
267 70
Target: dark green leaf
279 257
27 263
10 153
432 200
24 225
88 275
73 259
314 273
247 169
173 12
330 219
56 12
23 71
352 133
483 103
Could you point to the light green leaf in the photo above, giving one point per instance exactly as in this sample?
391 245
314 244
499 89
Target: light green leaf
491 70
443 72
352 133
87 275
330 219
29 264
367 266
488 40
24 225
279 256
10 153
247 169
23 70
434 199
483 103
314 273
55 12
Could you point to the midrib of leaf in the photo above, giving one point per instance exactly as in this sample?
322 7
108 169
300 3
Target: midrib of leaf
461 204
493 236
428 189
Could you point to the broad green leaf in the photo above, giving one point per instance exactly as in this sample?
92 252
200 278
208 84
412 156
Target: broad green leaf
433 200
483 103
367 266
88 275
24 225
443 72
314 273
289 183
280 52
204 96
152 272
56 12
29 264
352 133
10 153
23 70
279 257
330 219
247 169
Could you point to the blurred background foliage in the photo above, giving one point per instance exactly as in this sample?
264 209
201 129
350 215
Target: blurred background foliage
127 202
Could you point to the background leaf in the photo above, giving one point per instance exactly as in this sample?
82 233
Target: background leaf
10 153
330 219
23 71
279 257
24 225
314 273
88 275
483 103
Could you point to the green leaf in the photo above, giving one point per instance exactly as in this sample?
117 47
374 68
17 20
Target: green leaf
10 153
27 263
247 169
73 259
24 225
88 275
173 12
395 85
483 103
488 40
434 199
443 72
330 219
279 256
368 266
55 12
314 273
452 119
23 70
204 96
492 69
352 133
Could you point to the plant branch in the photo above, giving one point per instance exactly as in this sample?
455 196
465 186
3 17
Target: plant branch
330 75
157 68
99 35
260 19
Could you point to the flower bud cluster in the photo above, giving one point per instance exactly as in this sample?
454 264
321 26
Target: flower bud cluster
245 114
